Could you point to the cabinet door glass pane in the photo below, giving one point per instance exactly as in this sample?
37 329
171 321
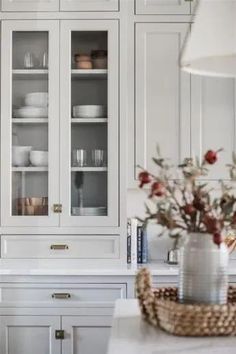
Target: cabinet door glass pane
30 123
89 123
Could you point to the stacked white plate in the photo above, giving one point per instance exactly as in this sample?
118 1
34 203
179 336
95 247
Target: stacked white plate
91 211
89 111
36 106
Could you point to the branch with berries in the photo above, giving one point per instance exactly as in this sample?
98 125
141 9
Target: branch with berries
184 204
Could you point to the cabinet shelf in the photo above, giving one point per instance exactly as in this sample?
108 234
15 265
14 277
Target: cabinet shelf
89 74
30 74
88 169
88 120
29 120
30 169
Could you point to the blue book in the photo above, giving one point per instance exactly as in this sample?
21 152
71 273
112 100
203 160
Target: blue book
139 244
144 246
128 242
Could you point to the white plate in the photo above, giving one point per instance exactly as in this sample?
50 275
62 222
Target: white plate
31 112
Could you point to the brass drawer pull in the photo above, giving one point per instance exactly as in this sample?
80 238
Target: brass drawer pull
59 247
61 296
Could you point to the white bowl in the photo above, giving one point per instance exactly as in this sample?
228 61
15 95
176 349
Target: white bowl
31 112
39 158
89 111
20 155
36 99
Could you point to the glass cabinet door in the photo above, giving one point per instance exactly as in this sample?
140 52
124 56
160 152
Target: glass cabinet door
89 123
30 123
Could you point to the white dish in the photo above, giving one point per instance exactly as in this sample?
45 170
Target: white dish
36 99
89 111
39 158
31 112
20 155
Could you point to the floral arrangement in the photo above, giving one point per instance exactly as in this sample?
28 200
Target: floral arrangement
184 203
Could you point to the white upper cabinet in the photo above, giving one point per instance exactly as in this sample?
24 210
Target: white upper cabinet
162 7
214 120
162 96
30 123
30 5
90 123
89 5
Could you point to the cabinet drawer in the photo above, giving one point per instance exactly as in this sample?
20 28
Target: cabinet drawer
82 247
92 5
30 5
61 293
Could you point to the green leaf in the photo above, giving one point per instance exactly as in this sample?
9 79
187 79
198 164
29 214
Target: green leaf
158 150
158 162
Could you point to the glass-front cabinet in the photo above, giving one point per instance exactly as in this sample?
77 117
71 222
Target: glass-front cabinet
59 122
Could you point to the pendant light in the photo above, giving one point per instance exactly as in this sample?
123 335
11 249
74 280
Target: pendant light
210 47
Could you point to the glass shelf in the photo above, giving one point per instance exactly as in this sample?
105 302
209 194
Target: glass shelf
89 74
88 120
29 169
88 169
30 120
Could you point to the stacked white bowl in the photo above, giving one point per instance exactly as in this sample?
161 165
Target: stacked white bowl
36 106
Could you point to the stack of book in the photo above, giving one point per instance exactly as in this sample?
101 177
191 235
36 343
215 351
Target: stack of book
137 245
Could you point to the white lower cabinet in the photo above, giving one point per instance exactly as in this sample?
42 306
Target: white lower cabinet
54 334
86 335
29 334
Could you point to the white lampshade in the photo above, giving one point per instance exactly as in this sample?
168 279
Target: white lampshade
210 48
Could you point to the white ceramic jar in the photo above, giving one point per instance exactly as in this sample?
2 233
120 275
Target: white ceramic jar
203 271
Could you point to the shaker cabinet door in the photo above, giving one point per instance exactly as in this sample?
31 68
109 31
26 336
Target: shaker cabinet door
86 334
30 123
162 97
29 334
162 7
89 123
213 123
89 5
30 5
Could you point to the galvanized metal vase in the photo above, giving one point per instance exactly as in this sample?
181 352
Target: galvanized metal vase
203 276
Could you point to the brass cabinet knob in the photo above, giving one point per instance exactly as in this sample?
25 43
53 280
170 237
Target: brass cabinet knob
57 208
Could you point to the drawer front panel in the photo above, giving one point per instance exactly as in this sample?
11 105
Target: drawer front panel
82 247
61 293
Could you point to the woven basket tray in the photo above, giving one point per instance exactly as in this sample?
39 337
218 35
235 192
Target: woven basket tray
160 307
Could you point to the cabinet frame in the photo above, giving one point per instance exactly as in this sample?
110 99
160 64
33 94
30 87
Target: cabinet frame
8 27
112 219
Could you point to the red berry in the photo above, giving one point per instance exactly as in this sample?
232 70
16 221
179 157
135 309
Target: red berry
211 157
144 178
157 189
189 209
217 238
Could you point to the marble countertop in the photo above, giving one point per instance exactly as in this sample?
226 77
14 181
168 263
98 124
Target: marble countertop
74 267
131 335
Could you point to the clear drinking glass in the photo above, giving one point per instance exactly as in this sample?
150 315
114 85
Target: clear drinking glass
28 60
98 157
79 157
